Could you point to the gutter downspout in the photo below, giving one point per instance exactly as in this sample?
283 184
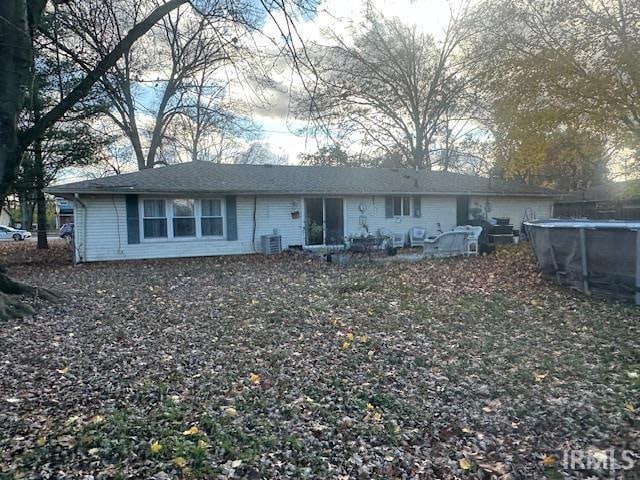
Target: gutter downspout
76 198
255 207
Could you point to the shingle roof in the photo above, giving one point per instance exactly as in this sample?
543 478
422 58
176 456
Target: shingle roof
207 177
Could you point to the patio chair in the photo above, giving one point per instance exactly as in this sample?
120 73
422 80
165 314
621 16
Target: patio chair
472 240
396 240
417 236
447 244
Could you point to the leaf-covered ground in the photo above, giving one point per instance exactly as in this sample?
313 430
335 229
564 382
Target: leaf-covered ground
252 367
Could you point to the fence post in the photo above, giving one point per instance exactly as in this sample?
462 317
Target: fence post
583 254
638 267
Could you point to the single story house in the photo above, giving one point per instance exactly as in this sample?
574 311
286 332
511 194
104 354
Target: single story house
201 208
609 201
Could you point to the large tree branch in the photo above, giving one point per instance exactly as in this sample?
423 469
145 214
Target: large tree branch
84 87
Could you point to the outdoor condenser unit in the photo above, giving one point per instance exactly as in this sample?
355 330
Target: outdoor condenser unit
271 244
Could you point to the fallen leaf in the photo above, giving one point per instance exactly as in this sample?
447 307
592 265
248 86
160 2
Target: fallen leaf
180 462
67 441
464 464
155 447
548 460
192 431
71 420
539 377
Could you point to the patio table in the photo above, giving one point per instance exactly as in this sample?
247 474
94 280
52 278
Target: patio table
365 245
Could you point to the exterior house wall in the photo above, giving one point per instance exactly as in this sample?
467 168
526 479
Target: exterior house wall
101 223
101 230
434 210
513 207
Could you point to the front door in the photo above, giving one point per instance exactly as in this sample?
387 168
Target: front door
324 221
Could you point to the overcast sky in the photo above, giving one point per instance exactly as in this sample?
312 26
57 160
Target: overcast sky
338 15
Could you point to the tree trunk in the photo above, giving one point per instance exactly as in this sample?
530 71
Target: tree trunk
418 157
161 122
11 305
15 68
25 211
41 203
18 21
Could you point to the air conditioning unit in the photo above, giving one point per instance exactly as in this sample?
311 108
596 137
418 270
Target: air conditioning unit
271 244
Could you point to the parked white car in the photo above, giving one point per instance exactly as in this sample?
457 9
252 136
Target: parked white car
8 233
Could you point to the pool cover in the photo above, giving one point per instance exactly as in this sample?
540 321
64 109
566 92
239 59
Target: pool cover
595 256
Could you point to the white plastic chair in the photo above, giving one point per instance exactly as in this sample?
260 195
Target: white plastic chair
396 239
417 236
473 238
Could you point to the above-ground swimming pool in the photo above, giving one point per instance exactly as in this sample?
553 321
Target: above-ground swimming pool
595 256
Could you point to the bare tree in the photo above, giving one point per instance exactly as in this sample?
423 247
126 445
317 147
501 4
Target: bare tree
259 153
150 82
19 22
20 19
391 86
210 126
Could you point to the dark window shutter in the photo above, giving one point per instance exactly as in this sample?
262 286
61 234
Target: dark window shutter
417 207
133 220
388 207
232 219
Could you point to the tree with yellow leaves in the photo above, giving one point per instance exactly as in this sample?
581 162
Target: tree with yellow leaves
561 81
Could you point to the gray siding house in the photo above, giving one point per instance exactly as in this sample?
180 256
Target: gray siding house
202 208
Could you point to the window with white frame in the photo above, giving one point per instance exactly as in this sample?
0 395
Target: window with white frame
211 217
154 219
401 206
184 217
